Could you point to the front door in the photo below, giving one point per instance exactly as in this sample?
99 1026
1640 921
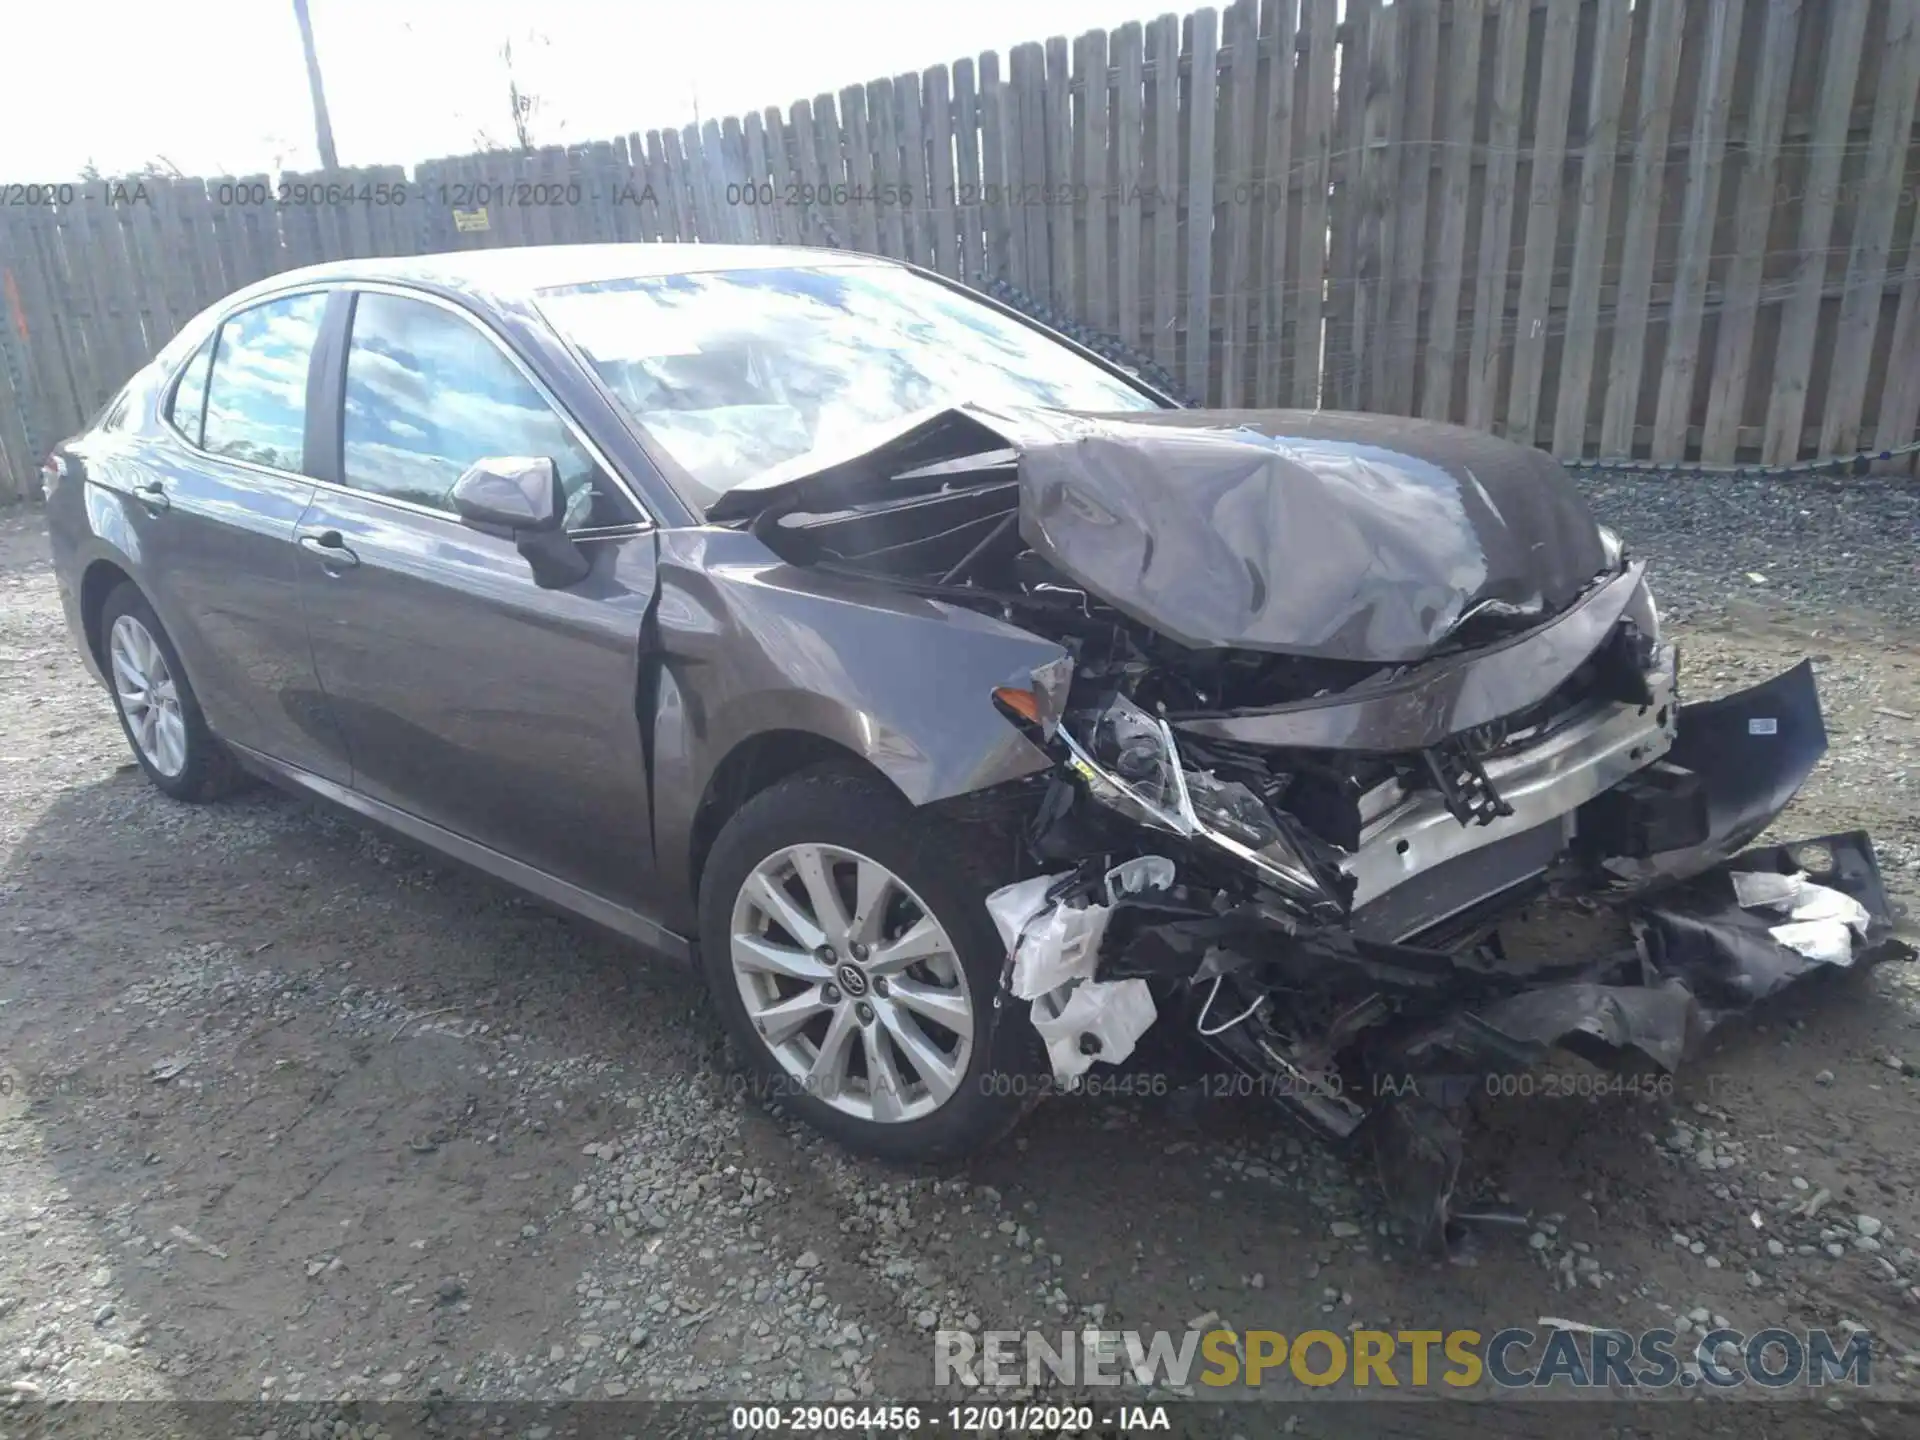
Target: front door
467 695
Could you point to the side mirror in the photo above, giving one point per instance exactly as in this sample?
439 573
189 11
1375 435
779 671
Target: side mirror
510 492
520 495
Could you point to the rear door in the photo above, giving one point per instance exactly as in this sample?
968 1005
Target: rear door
212 510
468 696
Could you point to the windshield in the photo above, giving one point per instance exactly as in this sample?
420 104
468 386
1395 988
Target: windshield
733 372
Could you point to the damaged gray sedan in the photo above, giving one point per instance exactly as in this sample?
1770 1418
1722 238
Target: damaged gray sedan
963 704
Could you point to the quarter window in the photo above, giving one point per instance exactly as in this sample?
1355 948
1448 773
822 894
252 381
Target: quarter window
189 402
257 392
428 394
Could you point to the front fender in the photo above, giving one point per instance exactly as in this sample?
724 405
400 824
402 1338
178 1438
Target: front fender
751 645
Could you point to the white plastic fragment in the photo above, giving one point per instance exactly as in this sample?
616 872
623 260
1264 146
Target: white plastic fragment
1826 941
1052 943
1769 889
1116 1013
1056 950
1821 921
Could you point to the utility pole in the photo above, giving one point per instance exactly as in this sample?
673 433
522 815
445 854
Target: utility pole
322 126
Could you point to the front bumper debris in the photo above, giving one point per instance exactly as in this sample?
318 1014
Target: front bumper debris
1384 1030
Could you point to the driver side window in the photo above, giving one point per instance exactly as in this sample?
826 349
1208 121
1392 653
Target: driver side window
427 394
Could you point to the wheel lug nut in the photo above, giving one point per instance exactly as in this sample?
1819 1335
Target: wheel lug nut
865 1012
859 950
879 985
831 994
824 954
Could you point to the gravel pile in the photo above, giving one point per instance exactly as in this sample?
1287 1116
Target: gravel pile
1813 542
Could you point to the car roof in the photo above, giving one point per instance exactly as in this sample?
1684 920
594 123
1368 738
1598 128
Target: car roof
519 272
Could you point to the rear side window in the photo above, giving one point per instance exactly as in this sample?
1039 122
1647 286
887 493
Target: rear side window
428 394
256 407
189 402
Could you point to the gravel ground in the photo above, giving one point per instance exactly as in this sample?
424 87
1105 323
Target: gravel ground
301 1112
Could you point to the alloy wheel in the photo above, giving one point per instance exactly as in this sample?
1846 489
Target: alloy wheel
148 696
851 983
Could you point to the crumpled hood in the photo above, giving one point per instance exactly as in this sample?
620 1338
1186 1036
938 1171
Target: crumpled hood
1338 536
1314 533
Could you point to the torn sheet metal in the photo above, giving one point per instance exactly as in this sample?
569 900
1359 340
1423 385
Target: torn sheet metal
1730 953
1705 952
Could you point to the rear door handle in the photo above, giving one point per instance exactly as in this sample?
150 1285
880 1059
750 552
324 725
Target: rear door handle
153 495
331 547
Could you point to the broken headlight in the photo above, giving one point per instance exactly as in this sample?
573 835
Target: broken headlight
1130 762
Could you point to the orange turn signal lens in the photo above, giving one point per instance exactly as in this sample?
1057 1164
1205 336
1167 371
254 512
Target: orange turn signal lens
1023 703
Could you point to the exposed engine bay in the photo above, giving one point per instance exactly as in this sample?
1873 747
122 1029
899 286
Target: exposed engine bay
1337 697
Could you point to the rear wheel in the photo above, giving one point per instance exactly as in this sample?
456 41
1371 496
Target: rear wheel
156 704
853 962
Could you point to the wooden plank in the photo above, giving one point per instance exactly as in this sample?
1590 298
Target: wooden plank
1705 162
1496 216
1321 22
726 167
1845 30
1652 118
1340 377
1419 75
1097 242
1543 215
831 149
883 127
942 210
1199 103
1004 247
759 196
1128 134
120 347
1163 53
685 212
1599 144
914 203
57 352
1881 186
1370 251
1741 290
637 216
1055 210
1027 168
663 170
858 148
1455 136
803 223
1279 59
969 213
146 259
72 251
1242 35
1900 400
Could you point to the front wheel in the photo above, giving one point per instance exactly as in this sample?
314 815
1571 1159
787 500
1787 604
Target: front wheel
849 950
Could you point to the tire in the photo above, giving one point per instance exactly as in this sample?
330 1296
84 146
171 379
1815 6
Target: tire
187 762
839 813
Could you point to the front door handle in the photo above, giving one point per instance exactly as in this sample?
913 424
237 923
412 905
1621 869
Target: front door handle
331 547
153 495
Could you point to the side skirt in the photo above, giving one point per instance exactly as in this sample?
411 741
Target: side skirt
566 896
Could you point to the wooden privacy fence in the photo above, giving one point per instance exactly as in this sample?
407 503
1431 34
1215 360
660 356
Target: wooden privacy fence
1669 229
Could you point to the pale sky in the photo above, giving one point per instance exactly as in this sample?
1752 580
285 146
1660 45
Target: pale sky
218 86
